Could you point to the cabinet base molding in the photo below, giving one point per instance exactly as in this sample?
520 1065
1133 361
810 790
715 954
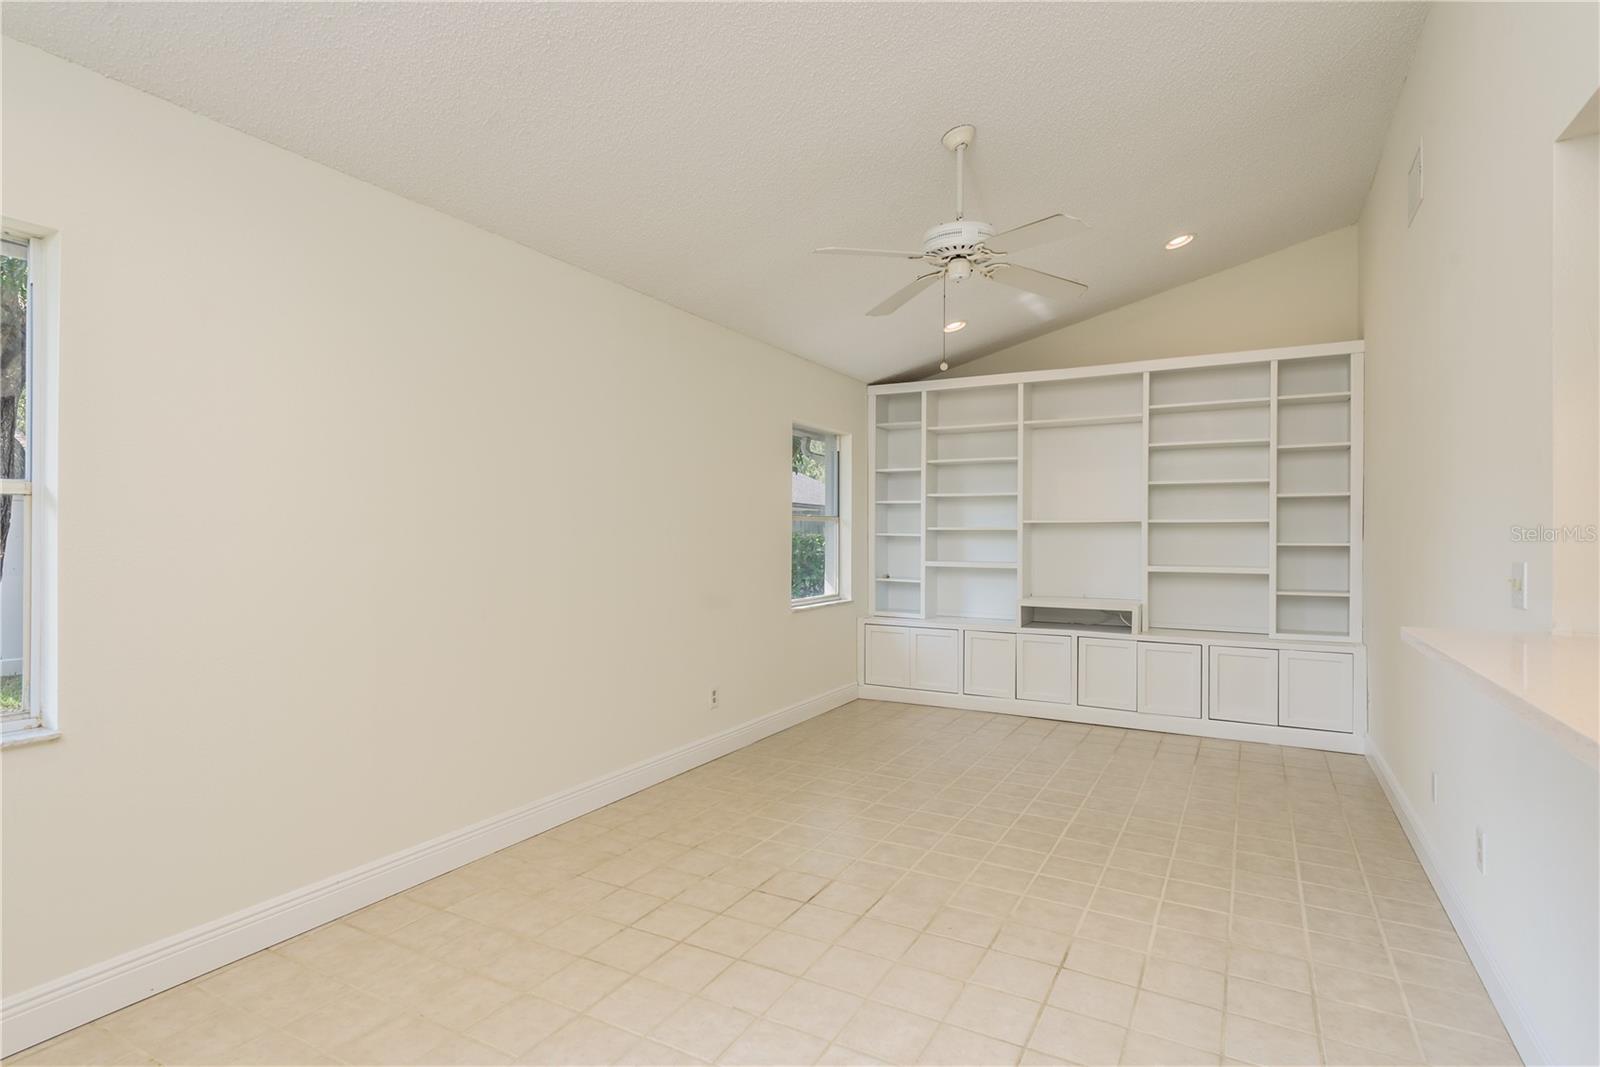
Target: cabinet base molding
1126 720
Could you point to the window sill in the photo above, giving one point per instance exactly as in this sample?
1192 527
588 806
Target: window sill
815 604
34 735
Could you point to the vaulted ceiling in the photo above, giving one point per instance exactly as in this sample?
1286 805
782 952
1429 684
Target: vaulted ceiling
698 152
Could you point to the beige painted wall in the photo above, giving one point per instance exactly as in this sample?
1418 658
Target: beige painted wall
1300 295
1575 382
373 525
1456 311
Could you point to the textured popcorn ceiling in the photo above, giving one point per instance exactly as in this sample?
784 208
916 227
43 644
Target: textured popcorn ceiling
698 152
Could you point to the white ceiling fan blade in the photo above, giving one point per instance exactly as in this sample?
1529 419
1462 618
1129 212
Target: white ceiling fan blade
898 300
1036 281
831 251
1040 231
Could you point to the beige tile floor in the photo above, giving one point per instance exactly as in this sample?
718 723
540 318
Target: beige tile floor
888 883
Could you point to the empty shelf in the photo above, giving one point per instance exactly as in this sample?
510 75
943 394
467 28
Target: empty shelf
881 534
898 425
1208 570
1213 405
1313 544
1227 443
906 581
899 501
972 564
1081 522
1209 522
1313 496
899 470
1325 446
1218 481
1078 602
973 427
1081 420
972 529
1312 398
951 496
1313 592
981 459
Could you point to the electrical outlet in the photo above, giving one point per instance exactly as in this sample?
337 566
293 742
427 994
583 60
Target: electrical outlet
716 698
1433 787
1480 849
1519 586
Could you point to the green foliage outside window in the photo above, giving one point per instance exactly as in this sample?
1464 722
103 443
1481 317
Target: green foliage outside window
808 564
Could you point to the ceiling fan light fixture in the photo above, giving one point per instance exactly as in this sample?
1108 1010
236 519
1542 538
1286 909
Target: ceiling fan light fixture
1179 241
956 326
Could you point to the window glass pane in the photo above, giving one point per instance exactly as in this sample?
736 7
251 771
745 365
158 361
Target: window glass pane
13 360
814 477
13 608
814 559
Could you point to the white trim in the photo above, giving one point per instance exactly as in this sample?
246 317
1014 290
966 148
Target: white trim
24 736
40 1013
812 605
1529 1047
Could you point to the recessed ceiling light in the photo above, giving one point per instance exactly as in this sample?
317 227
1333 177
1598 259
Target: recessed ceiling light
1179 241
952 327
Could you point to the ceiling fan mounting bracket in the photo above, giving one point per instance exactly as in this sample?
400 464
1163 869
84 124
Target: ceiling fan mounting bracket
960 137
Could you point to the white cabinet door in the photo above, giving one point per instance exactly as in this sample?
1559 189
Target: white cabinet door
1244 685
1169 679
1044 668
935 660
1316 690
887 650
1107 674
991 665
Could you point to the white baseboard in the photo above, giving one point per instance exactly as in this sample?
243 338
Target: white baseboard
40 1013
1500 992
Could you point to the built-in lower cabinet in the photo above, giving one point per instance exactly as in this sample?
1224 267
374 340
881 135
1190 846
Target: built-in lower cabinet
1169 679
1164 681
1044 668
991 665
907 657
1107 674
886 656
1315 689
1244 684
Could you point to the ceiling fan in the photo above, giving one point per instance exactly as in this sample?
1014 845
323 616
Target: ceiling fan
958 250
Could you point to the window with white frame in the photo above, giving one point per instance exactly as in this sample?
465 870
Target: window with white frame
18 707
815 492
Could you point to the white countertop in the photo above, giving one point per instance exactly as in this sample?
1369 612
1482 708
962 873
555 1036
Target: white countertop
1552 680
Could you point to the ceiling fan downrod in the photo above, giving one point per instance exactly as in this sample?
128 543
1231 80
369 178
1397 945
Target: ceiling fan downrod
957 140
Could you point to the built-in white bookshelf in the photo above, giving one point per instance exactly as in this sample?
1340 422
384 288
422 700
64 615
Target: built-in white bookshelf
1315 497
1216 493
896 457
1208 540
1083 511
970 560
